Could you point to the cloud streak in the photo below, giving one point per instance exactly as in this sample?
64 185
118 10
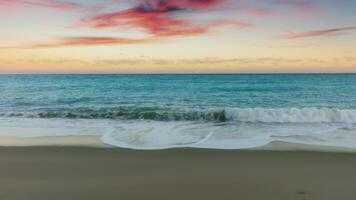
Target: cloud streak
301 5
89 41
58 5
318 33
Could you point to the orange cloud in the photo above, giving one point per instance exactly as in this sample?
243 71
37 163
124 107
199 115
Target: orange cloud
90 41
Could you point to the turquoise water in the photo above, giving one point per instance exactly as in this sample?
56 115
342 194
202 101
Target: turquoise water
207 111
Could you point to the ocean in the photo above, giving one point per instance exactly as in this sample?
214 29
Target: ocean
218 111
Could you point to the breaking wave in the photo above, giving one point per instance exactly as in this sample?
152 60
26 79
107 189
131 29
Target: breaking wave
262 115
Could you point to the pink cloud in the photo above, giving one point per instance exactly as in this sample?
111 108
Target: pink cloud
40 3
161 18
305 6
260 12
318 33
277 8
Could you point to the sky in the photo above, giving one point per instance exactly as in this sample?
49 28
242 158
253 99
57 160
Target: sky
177 36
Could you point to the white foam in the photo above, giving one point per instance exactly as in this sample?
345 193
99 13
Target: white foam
150 135
292 115
156 135
31 128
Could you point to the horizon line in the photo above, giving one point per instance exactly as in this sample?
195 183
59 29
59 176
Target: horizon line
197 73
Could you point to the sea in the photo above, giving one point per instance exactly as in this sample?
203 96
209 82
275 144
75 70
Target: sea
160 111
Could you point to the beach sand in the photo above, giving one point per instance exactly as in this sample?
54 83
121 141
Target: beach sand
65 173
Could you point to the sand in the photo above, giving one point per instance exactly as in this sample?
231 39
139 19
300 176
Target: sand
65 173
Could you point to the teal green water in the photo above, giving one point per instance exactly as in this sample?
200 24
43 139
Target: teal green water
275 105
53 95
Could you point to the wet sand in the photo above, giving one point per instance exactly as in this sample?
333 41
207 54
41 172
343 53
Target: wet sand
65 173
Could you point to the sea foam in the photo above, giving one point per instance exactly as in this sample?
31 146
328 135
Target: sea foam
292 115
242 128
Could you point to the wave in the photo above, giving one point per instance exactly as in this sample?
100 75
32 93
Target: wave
152 135
292 115
253 115
129 113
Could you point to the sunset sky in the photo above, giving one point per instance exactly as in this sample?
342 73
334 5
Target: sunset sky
177 36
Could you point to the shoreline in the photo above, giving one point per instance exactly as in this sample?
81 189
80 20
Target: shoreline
96 142
110 173
153 135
